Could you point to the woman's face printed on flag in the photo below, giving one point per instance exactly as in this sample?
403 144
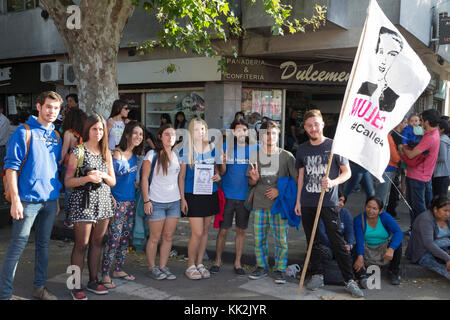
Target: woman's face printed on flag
389 46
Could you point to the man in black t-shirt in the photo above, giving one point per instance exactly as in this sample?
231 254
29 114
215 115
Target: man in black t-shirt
312 162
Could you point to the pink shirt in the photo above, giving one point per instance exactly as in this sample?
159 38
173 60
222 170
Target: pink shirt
424 171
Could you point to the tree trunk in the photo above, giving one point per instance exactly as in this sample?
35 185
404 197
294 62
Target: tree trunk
93 49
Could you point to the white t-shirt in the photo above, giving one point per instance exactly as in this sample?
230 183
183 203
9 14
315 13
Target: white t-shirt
164 188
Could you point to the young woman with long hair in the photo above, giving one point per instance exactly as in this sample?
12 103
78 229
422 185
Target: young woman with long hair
91 203
116 122
72 132
161 200
199 208
124 193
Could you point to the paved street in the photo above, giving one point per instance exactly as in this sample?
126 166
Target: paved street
222 286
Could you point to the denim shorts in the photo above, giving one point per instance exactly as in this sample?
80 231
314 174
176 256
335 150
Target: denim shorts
163 211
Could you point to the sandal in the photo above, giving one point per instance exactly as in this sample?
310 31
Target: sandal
108 284
203 271
192 273
126 277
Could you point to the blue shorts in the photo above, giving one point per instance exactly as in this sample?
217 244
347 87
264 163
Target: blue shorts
163 211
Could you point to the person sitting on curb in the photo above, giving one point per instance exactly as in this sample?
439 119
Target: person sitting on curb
347 229
378 241
430 238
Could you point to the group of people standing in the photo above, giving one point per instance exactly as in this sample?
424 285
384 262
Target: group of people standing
102 171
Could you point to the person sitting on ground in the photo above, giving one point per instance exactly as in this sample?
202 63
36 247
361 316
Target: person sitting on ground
332 274
430 238
346 226
378 241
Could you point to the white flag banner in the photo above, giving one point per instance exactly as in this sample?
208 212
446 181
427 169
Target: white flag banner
387 78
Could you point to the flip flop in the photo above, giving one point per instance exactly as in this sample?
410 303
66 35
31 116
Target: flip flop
108 284
125 277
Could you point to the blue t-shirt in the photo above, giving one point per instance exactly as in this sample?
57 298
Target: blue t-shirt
126 171
235 182
199 158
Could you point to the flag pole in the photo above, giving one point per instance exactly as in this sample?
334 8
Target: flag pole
313 234
322 194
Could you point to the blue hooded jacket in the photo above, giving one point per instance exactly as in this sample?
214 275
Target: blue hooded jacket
286 200
38 181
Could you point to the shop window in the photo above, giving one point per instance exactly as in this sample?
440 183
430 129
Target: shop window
21 5
191 103
22 104
268 103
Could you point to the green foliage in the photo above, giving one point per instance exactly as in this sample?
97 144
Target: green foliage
192 24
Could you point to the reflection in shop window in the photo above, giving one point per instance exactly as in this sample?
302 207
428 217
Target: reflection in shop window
190 102
266 102
20 5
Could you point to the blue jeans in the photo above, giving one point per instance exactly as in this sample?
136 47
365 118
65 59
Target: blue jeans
418 195
383 189
43 215
359 175
429 261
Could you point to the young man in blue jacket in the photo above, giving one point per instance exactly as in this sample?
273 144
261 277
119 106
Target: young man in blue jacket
34 192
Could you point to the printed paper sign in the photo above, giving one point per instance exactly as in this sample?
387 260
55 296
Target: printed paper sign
203 174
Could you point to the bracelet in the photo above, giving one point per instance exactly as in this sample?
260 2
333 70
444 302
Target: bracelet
145 202
79 181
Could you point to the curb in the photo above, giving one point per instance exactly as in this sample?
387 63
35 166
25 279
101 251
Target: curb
408 270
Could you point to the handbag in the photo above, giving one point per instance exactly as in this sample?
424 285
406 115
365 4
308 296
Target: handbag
374 255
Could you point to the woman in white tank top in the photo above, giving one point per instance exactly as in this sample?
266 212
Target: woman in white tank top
116 123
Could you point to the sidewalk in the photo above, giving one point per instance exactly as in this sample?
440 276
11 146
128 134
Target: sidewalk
296 239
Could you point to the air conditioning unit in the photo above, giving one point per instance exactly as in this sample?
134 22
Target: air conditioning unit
51 71
69 75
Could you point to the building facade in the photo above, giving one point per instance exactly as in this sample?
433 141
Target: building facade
273 75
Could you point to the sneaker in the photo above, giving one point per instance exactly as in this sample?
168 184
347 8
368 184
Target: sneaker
395 279
203 271
78 294
169 275
68 224
97 288
43 294
157 274
279 277
353 288
316 282
259 273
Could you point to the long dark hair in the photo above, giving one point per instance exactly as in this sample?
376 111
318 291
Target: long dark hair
241 122
117 107
163 157
178 124
90 121
439 202
74 119
167 117
127 132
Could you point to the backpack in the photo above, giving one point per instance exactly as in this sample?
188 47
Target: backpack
28 140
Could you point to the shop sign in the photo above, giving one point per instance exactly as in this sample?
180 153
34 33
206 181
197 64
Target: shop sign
444 30
5 75
278 71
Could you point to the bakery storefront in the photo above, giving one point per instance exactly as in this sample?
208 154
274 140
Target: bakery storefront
275 88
